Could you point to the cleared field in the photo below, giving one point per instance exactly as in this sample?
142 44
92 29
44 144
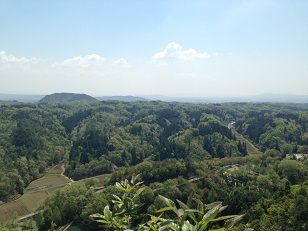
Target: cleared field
250 147
52 178
33 200
28 203
35 194
38 191
59 168
101 179
7 210
48 180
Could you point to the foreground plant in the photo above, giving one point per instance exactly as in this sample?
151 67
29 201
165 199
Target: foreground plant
190 219
126 210
125 207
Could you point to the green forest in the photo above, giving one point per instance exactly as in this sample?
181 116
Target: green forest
168 166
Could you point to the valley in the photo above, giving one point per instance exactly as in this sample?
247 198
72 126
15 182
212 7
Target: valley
183 152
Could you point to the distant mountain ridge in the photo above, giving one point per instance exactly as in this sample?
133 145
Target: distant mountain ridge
280 98
262 98
21 97
67 97
127 98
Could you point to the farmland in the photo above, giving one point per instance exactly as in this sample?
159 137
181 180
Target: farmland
35 194
53 178
38 190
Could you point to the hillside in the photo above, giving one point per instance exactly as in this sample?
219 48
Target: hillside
169 144
67 97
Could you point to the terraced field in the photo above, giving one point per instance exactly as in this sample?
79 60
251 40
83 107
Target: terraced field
35 194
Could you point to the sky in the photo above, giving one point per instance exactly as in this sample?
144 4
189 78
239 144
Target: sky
167 47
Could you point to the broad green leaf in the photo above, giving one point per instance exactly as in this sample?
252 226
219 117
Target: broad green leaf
103 221
166 223
200 205
152 227
174 226
222 208
116 197
139 183
119 204
221 229
190 213
211 213
107 213
179 212
223 218
203 225
119 186
139 191
232 221
156 219
166 209
188 227
97 215
169 202
121 212
212 205
134 178
183 205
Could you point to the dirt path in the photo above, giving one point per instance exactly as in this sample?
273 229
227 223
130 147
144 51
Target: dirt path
62 174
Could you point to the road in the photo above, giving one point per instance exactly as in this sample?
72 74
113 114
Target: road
29 215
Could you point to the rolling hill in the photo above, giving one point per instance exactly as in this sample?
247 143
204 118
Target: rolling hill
67 97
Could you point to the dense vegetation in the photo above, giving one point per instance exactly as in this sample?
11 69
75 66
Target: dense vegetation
32 138
168 144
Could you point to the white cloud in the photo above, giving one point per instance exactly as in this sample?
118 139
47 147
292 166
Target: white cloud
175 50
162 64
79 61
122 63
10 59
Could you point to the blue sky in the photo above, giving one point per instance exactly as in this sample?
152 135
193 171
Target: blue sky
173 48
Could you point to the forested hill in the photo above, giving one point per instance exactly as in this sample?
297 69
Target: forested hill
163 140
67 97
98 137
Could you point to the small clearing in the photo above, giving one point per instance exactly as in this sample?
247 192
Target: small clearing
250 147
